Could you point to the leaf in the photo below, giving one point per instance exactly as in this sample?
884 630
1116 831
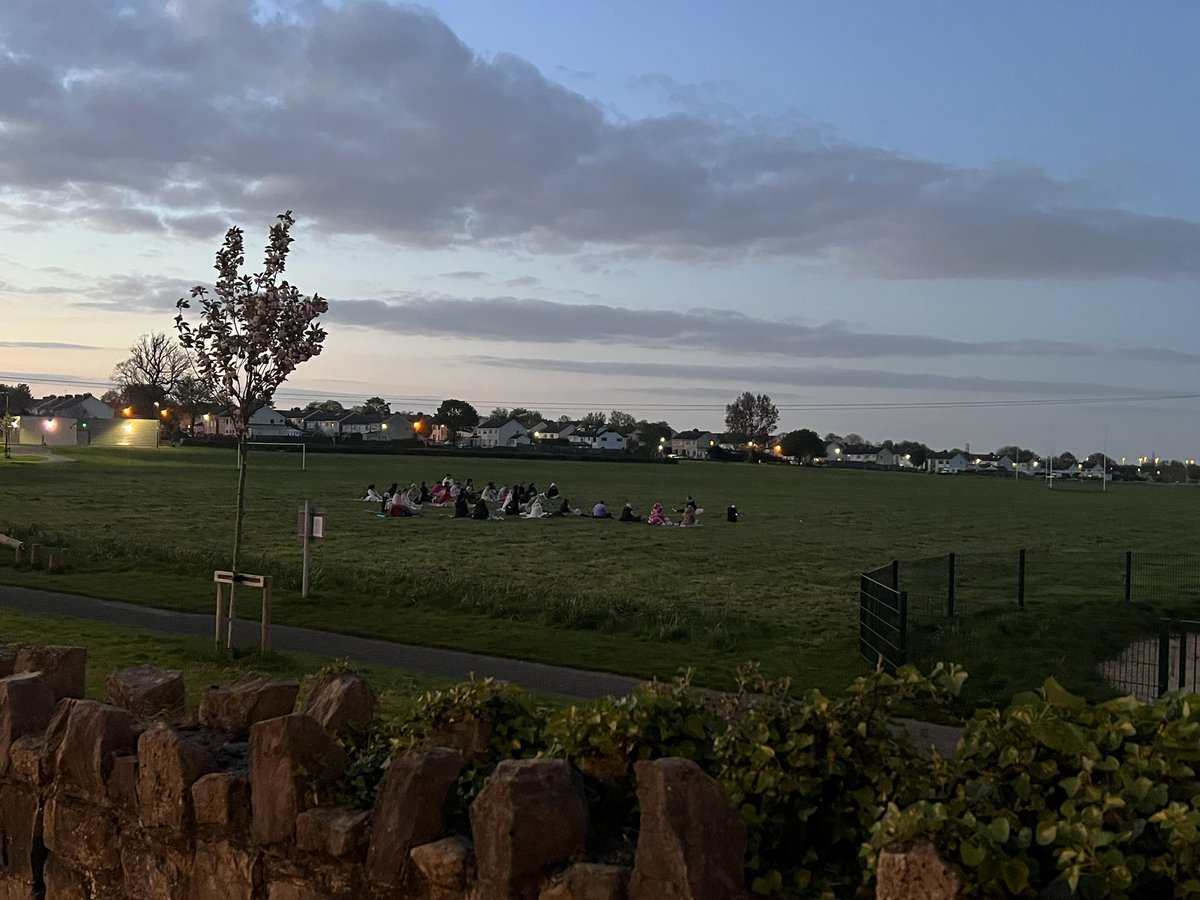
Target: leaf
1015 874
999 831
1057 695
972 854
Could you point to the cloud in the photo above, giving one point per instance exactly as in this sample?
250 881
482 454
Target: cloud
466 275
369 118
815 377
47 345
736 334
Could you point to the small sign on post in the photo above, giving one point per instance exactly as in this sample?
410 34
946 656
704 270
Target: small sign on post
311 525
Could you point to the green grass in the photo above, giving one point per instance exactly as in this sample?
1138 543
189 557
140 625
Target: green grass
112 648
780 586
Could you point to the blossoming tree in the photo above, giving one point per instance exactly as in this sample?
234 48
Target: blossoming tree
251 334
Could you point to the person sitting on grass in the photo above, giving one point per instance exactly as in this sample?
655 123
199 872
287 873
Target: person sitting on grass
512 507
552 491
373 496
425 495
490 494
535 508
657 516
461 508
481 510
689 517
628 515
411 507
600 511
395 507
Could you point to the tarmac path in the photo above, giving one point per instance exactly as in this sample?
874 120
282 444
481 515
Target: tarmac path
453 664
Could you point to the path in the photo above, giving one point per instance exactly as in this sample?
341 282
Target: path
428 660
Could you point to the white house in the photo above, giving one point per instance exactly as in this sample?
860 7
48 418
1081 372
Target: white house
946 463
499 431
860 454
365 424
395 427
266 422
72 406
607 438
984 462
554 431
694 444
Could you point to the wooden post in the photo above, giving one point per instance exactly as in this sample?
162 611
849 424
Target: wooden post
950 588
220 617
35 555
306 526
265 642
1021 579
1128 575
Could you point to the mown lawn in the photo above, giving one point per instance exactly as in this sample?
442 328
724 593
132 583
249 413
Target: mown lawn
779 586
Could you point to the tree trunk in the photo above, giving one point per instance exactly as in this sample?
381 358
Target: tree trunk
237 533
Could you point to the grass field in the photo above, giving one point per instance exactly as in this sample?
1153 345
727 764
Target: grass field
779 586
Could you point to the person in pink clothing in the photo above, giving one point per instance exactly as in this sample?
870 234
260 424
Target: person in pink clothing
657 516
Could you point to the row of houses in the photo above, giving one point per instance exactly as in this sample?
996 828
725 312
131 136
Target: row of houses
947 462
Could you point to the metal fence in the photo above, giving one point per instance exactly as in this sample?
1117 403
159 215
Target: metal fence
882 618
1093 620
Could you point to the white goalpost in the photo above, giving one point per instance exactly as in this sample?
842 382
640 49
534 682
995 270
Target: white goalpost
286 444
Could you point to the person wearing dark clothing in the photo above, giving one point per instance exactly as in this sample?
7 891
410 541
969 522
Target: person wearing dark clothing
513 507
731 514
425 495
628 515
461 509
481 510
552 491
565 508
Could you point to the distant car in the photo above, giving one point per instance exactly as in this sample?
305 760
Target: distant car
672 456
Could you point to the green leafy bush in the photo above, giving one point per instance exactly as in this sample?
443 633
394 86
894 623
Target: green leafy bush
1095 800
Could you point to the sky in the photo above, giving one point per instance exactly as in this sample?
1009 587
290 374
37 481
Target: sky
956 223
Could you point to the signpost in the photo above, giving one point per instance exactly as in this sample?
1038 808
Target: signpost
310 527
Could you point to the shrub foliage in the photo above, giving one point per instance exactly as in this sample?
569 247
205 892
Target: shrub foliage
1051 796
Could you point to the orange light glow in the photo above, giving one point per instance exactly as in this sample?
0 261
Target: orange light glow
164 413
127 411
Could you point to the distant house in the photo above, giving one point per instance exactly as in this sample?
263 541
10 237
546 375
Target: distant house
984 462
694 444
72 406
367 425
500 431
395 427
838 452
946 462
608 438
321 422
266 422
554 431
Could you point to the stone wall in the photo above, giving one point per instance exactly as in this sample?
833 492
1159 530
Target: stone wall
134 799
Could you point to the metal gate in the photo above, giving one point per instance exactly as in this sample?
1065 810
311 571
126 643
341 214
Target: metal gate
882 619
1178 655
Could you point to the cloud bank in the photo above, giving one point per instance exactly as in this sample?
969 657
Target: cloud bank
368 118
736 334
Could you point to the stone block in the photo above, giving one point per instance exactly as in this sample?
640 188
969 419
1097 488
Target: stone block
221 871
63 881
408 809
337 831
691 841
342 701
17 889
447 867
147 691
123 786
8 658
20 832
26 707
65 668
916 873
153 870
168 766
235 709
588 881
27 760
81 741
286 755
83 834
530 815
222 800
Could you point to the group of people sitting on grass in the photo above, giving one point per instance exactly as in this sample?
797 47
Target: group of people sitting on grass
515 501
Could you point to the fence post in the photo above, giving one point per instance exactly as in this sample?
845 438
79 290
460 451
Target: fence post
895 574
1164 658
1021 579
1183 647
902 640
1128 575
950 588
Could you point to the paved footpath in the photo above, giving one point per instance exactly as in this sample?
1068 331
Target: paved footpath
428 660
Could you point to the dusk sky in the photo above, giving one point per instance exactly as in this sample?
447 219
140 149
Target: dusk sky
930 221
